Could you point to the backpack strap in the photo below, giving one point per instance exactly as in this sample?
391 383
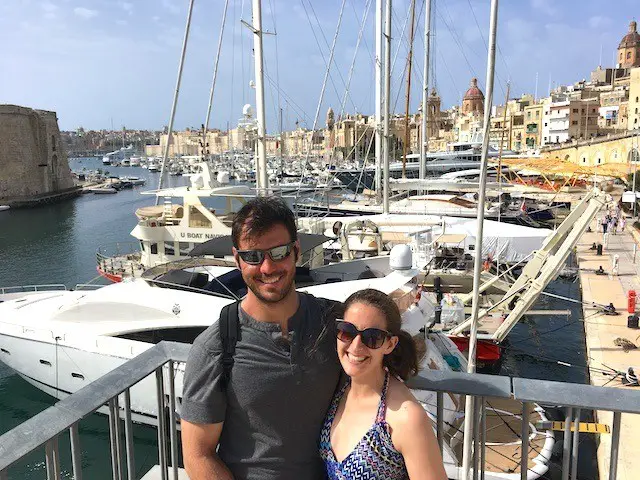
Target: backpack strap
229 335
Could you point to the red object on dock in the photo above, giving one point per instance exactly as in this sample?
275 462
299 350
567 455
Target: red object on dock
487 352
631 301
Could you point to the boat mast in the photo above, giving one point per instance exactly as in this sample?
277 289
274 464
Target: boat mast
378 97
387 103
504 122
175 98
477 265
215 70
405 147
425 91
261 164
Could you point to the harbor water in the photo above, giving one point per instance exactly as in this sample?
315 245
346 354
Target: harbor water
56 244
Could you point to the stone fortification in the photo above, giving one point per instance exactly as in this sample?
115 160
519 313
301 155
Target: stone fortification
33 163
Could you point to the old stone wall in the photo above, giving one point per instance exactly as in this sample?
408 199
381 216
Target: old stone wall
33 163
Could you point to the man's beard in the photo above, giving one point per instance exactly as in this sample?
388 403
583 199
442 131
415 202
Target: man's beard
253 286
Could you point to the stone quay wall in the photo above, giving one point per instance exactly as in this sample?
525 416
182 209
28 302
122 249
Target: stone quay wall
33 163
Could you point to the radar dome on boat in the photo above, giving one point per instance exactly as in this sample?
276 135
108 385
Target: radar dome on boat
401 257
247 110
223 177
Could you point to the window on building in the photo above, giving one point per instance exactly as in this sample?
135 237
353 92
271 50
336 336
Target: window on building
575 110
582 110
528 115
53 143
636 99
545 124
628 55
575 122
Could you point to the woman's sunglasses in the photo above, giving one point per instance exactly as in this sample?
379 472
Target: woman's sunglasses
371 337
276 254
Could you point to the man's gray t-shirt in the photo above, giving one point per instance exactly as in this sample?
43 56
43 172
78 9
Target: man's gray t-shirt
278 395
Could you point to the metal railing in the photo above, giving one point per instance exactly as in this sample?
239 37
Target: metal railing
32 288
160 361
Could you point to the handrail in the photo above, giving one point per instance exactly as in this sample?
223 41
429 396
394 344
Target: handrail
66 414
33 288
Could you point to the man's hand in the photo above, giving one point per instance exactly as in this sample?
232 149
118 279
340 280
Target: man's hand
199 444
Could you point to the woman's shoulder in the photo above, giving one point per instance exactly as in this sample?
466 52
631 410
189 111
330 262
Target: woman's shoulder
402 406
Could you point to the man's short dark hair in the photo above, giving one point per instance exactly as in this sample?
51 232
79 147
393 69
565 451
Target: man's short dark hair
259 215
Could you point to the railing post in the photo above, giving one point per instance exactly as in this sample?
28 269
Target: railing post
162 434
483 435
440 420
475 435
76 452
115 465
4 475
566 445
52 455
118 433
524 453
128 436
173 429
615 442
576 442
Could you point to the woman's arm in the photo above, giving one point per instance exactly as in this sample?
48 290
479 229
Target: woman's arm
415 440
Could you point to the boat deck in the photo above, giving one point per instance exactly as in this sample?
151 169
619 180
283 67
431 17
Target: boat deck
602 331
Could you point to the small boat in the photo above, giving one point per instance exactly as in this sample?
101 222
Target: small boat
102 190
4 207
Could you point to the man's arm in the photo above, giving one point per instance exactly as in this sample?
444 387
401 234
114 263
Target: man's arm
199 443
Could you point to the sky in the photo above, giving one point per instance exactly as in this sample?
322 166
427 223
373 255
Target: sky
104 63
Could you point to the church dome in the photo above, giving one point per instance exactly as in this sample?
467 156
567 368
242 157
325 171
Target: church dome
474 92
632 38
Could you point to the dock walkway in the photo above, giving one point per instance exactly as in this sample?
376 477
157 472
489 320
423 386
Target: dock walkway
602 330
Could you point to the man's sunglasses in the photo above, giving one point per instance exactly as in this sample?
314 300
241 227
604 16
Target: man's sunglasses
276 254
371 337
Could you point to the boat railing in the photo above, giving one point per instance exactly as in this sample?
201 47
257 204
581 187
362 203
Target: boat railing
87 286
32 288
118 258
162 361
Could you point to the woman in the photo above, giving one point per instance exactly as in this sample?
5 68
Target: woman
375 428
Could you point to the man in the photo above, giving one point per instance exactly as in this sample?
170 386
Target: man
266 419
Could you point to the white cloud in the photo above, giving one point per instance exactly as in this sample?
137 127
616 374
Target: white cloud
599 21
127 7
122 22
545 6
171 6
48 7
85 12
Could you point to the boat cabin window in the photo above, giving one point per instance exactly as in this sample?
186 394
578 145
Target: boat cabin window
197 219
178 334
185 248
154 248
168 248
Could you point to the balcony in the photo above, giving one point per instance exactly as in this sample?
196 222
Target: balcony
532 128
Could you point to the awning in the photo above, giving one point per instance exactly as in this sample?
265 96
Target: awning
454 238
